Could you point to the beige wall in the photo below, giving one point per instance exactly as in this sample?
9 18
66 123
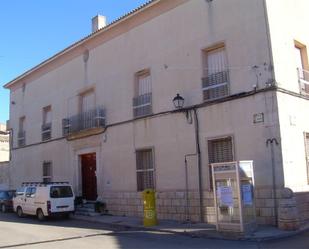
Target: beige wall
167 40
170 45
293 124
287 22
4 145
171 137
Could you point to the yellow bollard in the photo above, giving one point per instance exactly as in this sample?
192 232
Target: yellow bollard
150 215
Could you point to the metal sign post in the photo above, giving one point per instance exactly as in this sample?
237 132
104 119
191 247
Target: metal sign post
233 184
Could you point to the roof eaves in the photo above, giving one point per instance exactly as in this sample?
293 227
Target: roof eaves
81 41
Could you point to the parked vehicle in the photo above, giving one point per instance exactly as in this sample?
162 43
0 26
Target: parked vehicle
44 199
6 203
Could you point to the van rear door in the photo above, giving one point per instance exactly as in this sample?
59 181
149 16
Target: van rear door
61 198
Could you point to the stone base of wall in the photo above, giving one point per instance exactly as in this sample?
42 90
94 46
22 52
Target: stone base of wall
265 206
173 205
302 202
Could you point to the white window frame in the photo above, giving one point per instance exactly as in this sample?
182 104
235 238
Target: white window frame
224 71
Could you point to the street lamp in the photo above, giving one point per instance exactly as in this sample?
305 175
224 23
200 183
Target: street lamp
178 101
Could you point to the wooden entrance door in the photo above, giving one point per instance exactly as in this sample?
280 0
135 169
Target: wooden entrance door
89 179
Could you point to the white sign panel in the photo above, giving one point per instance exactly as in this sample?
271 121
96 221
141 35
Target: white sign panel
225 196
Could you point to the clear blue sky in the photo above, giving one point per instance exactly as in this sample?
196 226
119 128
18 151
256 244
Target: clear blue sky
32 31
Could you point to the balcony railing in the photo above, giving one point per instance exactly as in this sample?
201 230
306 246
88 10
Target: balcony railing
84 121
46 131
142 105
303 78
215 86
21 138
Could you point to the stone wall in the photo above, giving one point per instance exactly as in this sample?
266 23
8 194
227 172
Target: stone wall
4 175
265 206
302 202
292 208
171 205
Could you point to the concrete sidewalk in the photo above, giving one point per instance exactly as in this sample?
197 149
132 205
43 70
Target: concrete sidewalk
190 229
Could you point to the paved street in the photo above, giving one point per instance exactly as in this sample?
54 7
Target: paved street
29 233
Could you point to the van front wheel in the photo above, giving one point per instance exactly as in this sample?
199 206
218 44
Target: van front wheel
40 215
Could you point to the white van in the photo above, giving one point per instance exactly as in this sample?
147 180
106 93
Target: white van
44 199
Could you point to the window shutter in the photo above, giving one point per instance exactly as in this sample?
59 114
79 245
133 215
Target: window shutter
216 61
144 84
88 101
219 150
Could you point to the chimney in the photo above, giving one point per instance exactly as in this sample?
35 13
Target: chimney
98 22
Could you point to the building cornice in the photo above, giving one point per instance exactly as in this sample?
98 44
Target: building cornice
198 106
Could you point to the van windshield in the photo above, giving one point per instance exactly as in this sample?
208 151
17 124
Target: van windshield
60 192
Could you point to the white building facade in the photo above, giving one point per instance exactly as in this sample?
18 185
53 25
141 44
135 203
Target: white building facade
100 114
4 144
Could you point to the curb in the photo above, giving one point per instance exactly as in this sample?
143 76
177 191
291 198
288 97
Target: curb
192 234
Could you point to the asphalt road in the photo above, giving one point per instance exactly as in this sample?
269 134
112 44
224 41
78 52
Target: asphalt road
57 233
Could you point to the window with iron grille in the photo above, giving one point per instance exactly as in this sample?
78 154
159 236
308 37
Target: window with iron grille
144 169
307 154
142 102
47 171
215 81
21 132
47 123
302 66
220 150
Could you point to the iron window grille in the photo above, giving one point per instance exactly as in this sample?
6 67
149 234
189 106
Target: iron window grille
46 131
144 169
142 105
47 172
94 118
303 79
21 138
307 153
215 86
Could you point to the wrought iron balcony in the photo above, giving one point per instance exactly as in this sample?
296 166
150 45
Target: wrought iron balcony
21 138
46 131
215 86
84 122
142 105
303 79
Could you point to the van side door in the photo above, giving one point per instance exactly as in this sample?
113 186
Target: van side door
29 201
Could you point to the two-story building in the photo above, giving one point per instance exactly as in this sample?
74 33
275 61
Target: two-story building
100 113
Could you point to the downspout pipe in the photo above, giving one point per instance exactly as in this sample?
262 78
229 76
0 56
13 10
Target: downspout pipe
187 185
199 164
